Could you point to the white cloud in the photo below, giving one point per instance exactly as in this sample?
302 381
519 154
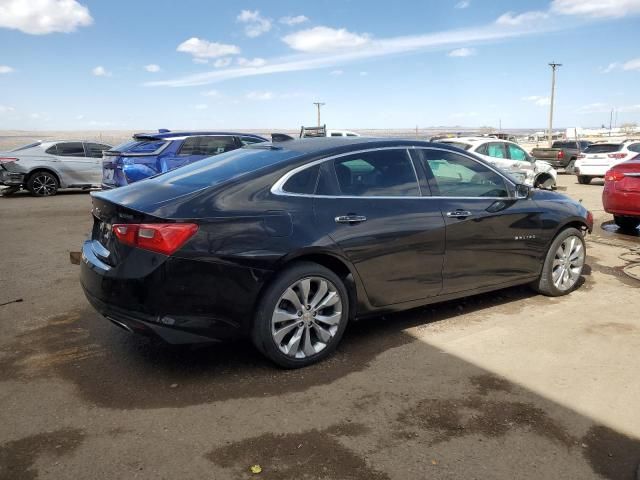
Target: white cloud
201 61
6 69
256 62
512 20
632 64
39 17
100 71
462 4
255 24
201 48
462 52
152 67
596 8
222 62
211 93
324 39
610 68
201 106
336 72
6 109
538 100
259 96
298 19
322 51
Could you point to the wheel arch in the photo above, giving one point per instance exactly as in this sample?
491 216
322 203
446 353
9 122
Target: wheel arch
43 169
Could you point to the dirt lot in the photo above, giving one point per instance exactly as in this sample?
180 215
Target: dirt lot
501 386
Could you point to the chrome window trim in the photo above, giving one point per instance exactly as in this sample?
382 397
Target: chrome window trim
276 189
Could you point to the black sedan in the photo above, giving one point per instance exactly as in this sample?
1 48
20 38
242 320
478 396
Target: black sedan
287 242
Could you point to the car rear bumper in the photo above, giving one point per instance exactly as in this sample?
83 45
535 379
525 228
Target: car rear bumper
591 170
11 179
621 203
179 301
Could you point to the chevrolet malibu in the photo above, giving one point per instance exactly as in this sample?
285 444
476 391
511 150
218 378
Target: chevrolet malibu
286 243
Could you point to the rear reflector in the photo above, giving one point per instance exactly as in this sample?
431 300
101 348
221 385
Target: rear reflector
163 238
8 159
613 176
617 155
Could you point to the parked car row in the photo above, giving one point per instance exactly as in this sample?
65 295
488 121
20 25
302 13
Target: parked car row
287 242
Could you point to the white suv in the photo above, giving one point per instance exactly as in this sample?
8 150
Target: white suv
510 158
597 158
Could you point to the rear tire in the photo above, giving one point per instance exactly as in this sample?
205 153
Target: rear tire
291 326
563 264
626 223
584 180
43 184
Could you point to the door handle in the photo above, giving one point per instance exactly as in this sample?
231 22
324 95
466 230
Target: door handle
459 214
350 219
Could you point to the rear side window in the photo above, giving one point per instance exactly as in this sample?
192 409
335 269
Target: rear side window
336 134
70 149
207 146
378 173
94 150
303 182
250 140
460 145
603 148
634 147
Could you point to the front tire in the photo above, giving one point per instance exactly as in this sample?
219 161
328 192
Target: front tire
563 264
584 180
43 184
626 223
302 316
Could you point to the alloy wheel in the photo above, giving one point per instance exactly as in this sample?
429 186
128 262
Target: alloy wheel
306 317
568 263
44 185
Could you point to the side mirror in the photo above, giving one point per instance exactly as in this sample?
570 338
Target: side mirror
522 191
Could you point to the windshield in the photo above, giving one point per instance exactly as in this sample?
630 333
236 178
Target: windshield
603 148
24 147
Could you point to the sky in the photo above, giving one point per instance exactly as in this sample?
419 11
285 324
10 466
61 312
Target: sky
120 64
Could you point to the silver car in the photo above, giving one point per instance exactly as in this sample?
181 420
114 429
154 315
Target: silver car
44 167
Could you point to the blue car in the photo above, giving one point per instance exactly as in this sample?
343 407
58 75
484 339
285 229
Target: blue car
149 154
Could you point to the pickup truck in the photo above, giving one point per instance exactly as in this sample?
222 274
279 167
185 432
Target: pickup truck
562 154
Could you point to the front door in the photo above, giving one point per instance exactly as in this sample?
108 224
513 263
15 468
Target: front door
371 205
492 238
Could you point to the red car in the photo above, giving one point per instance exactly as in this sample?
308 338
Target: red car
621 195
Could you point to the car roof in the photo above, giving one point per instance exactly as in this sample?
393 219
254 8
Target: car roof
173 135
328 145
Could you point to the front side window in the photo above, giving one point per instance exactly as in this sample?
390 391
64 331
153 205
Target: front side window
496 150
516 153
378 173
207 146
70 149
454 175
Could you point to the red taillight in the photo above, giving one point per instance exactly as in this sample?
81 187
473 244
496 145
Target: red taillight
617 156
8 159
613 176
560 155
163 238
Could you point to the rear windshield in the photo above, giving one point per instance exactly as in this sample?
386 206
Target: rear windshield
139 146
564 145
225 166
463 146
603 148
24 147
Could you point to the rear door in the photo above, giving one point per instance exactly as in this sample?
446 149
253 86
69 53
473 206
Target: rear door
197 148
492 238
73 164
371 204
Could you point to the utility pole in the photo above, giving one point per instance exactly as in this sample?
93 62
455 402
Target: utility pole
318 104
553 66
610 121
